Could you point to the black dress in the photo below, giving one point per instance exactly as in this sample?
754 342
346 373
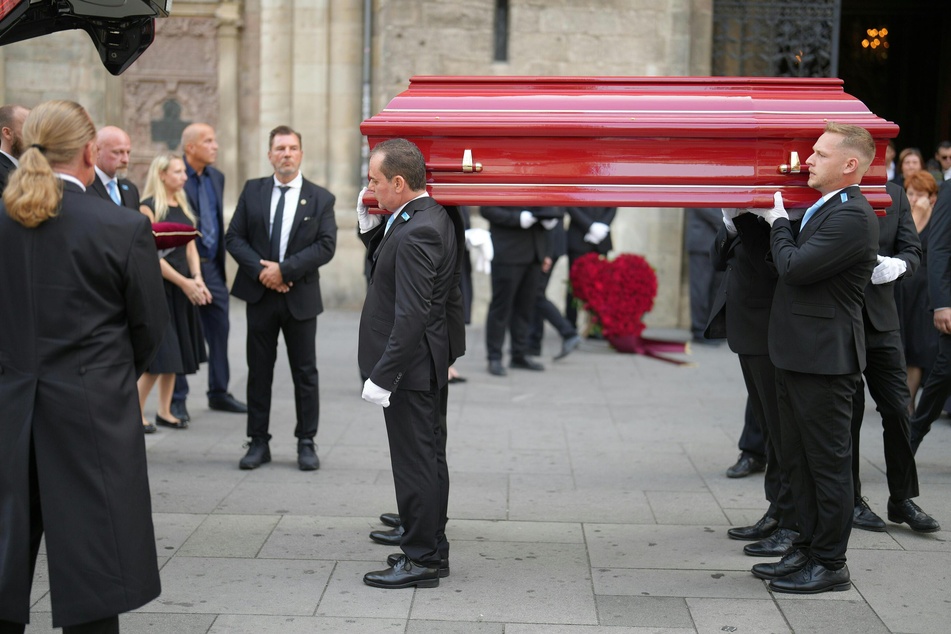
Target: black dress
918 333
183 347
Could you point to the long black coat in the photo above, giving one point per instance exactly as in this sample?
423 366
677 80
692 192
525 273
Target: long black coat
82 313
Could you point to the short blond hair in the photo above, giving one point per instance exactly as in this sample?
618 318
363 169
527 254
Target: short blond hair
855 138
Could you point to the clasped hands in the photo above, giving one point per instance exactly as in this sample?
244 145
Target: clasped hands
196 291
526 219
597 232
272 278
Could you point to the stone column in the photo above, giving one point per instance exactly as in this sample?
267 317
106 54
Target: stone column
228 17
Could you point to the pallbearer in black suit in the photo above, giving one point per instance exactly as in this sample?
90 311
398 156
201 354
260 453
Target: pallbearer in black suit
409 332
282 232
899 254
817 343
589 231
83 313
11 140
110 183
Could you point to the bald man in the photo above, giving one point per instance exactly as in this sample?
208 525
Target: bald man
110 183
11 142
205 190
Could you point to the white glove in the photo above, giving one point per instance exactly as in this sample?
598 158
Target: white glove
366 220
373 393
772 215
527 219
888 270
599 231
550 223
728 216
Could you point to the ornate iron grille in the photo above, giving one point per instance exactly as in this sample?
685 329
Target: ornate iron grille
764 38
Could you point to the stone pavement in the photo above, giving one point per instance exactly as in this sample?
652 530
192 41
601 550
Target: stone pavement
588 498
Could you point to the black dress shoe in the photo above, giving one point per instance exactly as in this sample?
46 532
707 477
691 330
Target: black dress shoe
495 368
179 411
524 363
910 513
568 346
258 454
391 537
745 465
164 422
793 561
812 579
865 518
393 559
227 403
776 545
404 574
762 529
391 519
307 459
148 428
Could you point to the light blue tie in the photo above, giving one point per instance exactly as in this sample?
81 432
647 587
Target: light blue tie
389 223
809 212
113 192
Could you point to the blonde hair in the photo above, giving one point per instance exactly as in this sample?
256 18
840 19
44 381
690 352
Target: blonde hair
855 138
53 134
155 188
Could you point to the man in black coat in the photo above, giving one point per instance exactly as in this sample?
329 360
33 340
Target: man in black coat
110 182
520 241
405 347
205 191
282 231
817 343
899 253
589 231
11 142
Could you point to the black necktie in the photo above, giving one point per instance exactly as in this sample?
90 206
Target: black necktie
276 226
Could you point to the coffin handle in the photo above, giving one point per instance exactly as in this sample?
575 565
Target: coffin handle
466 166
793 166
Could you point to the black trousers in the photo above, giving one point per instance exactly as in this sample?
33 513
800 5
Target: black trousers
545 310
815 413
266 320
887 383
514 288
109 625
415 428
753 436
762 405
936 391
215 326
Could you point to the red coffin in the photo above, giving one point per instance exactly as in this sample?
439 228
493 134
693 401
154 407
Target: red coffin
624 141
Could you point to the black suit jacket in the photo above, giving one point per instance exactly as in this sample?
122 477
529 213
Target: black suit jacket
86 321
939 250
897 238
511 243
311 244
742 305
581 220
128 192
6 167
815 325
191 192
413 291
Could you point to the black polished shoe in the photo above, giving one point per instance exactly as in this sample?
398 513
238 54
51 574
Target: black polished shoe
393 559
910 513
791 562
258 454
227 403
390 519
813 578
524 363
495 368
865 518
307 459
745 465
776 545
179 411
762 529
391 537
148 428
405 573
164 422
568 346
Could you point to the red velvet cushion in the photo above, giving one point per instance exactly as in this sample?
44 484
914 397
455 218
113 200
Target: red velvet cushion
169 235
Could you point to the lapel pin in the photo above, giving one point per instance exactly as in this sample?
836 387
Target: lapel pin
303 201
405 216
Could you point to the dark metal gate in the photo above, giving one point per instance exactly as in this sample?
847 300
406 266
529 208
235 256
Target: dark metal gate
765 38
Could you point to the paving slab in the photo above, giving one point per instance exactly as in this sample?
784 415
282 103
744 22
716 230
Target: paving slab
712 616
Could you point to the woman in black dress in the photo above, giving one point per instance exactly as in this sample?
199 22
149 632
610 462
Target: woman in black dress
183 347
918 333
